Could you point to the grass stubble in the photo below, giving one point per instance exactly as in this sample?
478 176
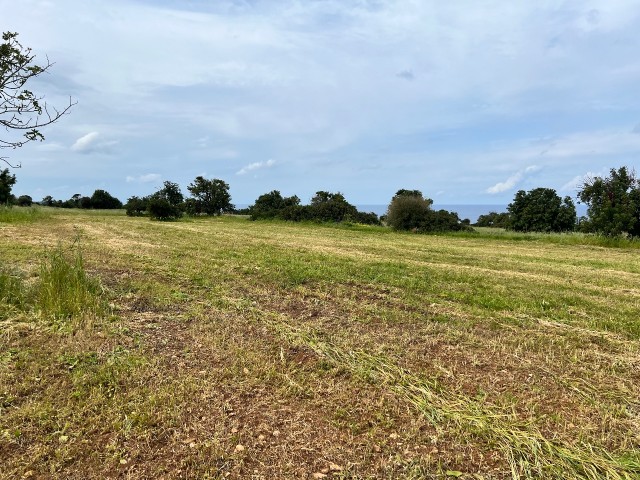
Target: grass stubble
223 348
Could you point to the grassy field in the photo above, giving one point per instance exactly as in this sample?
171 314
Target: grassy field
224 348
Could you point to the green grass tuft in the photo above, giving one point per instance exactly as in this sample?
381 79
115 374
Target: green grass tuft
12 296
65 295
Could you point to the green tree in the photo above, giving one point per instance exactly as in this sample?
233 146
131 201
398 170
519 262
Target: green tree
7 181
170 192
613 203
273 205
210 197
24 201
541 210
331 207
166 203
494 219
444 221
136 206
22 111
102 199
408 210
85 202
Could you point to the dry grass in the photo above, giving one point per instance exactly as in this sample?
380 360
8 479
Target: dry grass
237 349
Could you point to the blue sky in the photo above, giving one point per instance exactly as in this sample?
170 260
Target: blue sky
467 101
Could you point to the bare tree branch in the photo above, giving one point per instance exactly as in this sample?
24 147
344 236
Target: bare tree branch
20 108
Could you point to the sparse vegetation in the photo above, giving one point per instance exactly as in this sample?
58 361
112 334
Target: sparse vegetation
233 349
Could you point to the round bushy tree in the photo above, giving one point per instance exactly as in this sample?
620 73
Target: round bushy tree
166 203
210 197
102 199
136 206
408 210
273 205
541 210
24 201
160 209
331 207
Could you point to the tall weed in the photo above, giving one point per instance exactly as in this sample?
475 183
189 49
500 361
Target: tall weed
65 295
12 294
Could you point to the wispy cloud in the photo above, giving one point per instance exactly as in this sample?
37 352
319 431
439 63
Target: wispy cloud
255 166
576 182
146 178
93 143
512 181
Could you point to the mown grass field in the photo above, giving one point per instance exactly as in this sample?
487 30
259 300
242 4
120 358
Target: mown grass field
224 348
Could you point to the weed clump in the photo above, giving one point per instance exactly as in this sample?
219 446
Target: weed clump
63 296
12 297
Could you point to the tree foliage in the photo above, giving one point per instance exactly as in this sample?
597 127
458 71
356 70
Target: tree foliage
210 197
613 203
331 207
410 210
273 205
136 206
541 210
24 201
21 110
324 207
7 181
494 220
166 203
101 199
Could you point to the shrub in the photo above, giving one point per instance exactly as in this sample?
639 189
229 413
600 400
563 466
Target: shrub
161 209
494 219
24 201
102 199
408 212
367 218
136 206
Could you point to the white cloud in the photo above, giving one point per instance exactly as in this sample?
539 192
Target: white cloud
255 166
576 182
305 82
85 142
146 178
512 181
92 143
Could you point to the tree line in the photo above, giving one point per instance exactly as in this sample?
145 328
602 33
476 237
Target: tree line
613 207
